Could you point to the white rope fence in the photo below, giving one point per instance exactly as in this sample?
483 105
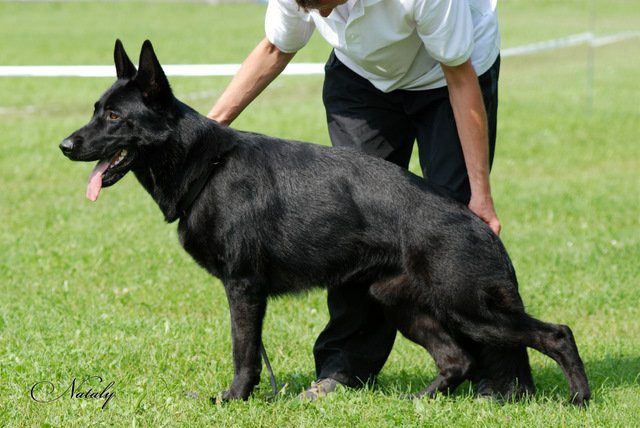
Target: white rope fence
298 69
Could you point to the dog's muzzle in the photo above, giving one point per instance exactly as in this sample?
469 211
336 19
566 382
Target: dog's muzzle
67 146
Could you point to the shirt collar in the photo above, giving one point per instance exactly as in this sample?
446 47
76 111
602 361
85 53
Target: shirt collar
356 11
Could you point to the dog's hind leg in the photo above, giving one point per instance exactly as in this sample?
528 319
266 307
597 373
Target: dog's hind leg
501 372
453 362
557 342
553 340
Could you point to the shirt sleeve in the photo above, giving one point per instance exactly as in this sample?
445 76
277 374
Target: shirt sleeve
446 29
287 25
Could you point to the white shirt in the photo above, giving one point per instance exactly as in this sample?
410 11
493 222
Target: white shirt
395 44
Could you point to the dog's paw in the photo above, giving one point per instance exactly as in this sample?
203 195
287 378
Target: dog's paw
228 395
429 392
581 399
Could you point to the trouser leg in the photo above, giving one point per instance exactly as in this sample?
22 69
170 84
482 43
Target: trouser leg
440 151
356 342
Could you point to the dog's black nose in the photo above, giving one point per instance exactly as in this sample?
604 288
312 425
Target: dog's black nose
66 146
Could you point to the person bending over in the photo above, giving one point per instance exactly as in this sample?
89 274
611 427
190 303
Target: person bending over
400 71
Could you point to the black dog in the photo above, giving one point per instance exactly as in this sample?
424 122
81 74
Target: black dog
269 216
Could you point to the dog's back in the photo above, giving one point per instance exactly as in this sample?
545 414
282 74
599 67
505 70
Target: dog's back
318 216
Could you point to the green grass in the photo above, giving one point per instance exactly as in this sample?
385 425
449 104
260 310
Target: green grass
105 289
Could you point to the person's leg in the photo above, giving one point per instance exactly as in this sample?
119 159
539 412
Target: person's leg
363 118
356 342
358 339
441 156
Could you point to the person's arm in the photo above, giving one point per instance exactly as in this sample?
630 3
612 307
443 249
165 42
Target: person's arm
262 65
471 121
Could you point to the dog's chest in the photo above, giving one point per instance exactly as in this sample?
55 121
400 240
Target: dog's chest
203 248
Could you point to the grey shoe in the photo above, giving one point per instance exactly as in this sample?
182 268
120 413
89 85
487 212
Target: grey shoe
319 389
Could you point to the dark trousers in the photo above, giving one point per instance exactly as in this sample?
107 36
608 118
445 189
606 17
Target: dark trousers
356 342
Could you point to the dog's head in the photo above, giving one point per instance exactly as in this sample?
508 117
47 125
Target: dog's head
129 117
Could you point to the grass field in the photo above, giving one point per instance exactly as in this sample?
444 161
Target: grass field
105 290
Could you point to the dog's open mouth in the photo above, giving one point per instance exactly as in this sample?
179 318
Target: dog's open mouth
107 172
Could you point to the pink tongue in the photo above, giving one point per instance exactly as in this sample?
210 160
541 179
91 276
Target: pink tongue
95 181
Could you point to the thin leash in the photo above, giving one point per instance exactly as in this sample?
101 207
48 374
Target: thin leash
272 377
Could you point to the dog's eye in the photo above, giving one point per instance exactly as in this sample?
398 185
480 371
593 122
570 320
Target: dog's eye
113 116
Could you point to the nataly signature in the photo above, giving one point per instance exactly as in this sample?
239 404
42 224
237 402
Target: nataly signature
45 391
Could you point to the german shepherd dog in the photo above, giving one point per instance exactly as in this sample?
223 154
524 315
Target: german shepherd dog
269 216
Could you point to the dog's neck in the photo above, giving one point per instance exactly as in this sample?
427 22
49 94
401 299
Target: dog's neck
194 190
178 170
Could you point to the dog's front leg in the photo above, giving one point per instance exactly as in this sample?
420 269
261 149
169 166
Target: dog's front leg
247 304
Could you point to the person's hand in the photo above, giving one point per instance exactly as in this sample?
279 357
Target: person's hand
483 208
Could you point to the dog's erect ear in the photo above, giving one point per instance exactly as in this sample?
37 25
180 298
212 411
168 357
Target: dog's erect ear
150 77
124 67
